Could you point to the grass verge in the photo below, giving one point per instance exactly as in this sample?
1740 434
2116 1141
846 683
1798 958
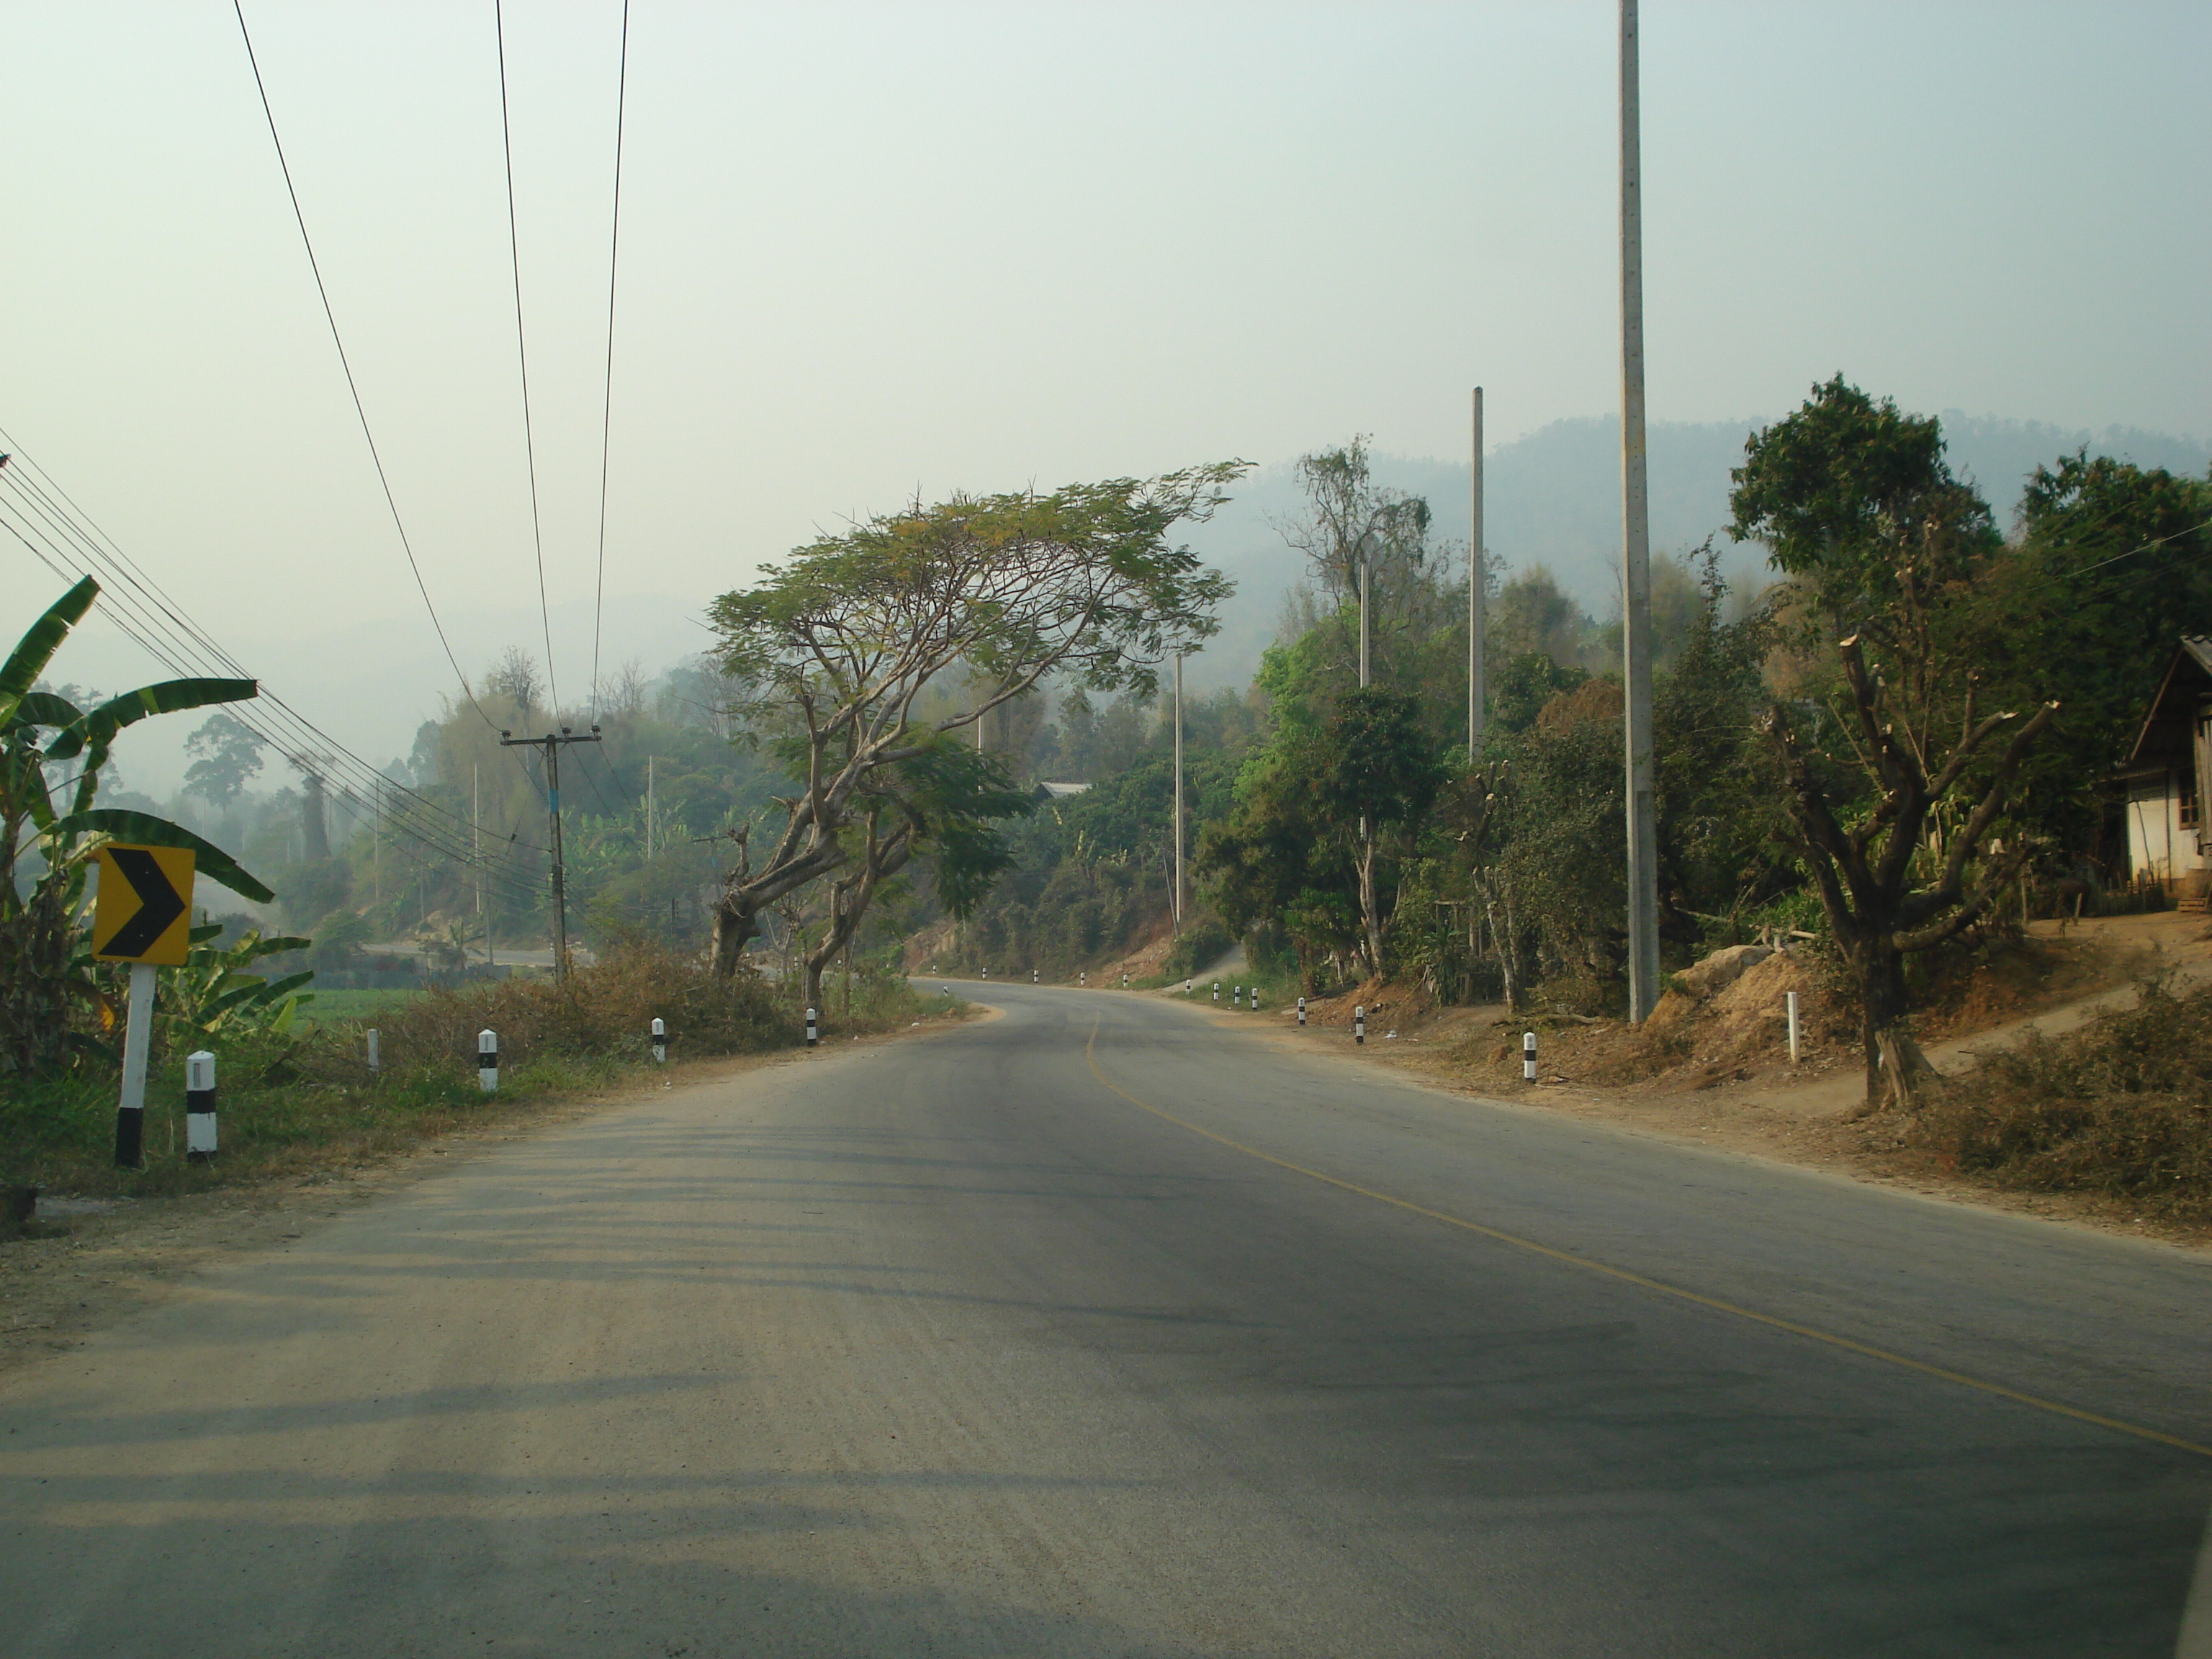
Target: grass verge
287 1102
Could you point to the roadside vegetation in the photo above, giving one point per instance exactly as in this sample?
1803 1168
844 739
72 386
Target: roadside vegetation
299 1095
2120 1110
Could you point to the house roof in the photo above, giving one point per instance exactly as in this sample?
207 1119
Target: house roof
2169 727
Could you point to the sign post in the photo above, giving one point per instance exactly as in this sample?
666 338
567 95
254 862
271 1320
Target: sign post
144 917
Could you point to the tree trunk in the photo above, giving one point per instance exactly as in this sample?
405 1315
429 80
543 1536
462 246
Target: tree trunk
1897 1074
34 994
1370 921
1504 956
735 925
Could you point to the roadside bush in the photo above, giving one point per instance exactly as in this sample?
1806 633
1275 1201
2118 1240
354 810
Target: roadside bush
1204 942
2120 1108
290 1099
604 1010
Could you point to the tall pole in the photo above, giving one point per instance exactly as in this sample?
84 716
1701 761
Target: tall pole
476 840
1175 909
559 875
1478 598
552 742
1636 553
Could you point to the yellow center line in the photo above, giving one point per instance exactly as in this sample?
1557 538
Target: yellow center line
1811 1332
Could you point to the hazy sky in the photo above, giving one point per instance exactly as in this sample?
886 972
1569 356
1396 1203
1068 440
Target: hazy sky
873 248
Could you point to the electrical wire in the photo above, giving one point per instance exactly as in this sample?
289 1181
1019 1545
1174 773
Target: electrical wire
331 316
156 622
522 358
71 546
607 400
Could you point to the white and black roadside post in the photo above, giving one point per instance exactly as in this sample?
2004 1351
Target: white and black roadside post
1125 979
1217 990
487 1060
659 1041
1256 998
1083 980
1792 1004
143 916
1186 988
813 1033
137 1032
199 1106
1527 1056
1033 976
1239 997
986 973
1360 1024
375 1053
1301 1011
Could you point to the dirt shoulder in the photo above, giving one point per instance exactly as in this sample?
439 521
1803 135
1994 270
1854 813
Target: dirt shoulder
115 1256
1722 1076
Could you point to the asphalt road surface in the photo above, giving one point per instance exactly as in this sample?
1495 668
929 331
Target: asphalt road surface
959 1346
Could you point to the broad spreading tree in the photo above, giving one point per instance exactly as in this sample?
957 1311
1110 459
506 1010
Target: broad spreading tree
833 649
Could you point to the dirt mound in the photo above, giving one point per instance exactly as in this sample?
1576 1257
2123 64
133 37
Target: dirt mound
925 946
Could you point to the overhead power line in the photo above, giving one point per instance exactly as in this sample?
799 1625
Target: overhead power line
57 533
607 401
522 358
329 315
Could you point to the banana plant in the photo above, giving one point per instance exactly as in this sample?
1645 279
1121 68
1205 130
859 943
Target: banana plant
217 993
46 850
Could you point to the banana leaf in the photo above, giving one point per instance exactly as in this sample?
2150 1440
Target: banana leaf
37 647
98 726
119 824
44 709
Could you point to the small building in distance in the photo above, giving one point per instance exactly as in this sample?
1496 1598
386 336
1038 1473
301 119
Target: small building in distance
2165 781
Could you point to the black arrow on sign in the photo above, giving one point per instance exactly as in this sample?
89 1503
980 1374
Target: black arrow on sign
158 903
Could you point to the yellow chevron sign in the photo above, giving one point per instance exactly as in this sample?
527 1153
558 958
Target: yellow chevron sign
144 913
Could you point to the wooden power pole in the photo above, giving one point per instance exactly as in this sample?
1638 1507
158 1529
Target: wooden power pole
552 743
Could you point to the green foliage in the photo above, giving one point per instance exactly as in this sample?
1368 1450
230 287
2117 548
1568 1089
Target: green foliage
227 756
1521 684
49 996
217 993
1839 489
835 649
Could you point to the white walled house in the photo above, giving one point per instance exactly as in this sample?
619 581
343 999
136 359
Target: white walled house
2165 780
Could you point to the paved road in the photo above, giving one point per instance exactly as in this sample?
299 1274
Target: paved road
958 1346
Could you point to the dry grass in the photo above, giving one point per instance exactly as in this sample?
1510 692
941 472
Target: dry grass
2121 1108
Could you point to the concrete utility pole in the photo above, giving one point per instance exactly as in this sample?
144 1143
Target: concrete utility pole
1175 909
552 743
1478 597
1636 553
476 841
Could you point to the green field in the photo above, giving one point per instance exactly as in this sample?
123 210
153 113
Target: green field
330 1006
